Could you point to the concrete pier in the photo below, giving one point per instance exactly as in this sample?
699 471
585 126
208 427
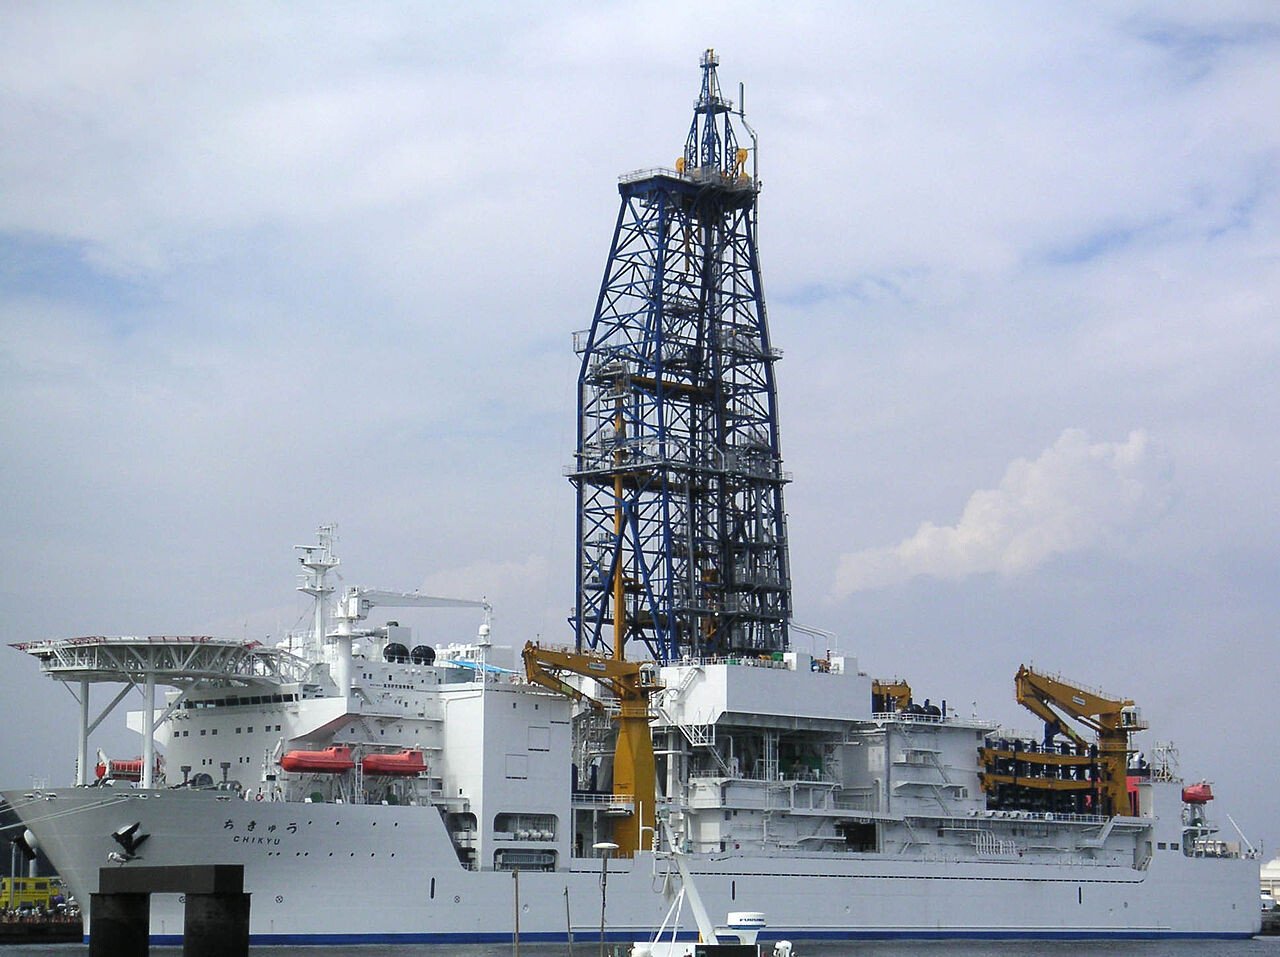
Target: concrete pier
119 925
216 917
216 925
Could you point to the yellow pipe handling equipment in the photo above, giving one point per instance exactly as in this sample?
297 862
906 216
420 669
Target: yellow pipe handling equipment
1113 720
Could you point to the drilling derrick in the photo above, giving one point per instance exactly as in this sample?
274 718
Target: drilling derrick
681 530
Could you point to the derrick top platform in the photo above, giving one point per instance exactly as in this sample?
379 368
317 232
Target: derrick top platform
698 177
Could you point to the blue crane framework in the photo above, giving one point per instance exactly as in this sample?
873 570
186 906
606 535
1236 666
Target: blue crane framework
681 533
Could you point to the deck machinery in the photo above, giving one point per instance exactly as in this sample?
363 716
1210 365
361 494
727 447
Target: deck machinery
1072 775
681 533
630 684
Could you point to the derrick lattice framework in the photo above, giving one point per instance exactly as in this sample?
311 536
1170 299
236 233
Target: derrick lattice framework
681 531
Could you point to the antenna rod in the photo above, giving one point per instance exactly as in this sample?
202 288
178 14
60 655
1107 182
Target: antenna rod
755 157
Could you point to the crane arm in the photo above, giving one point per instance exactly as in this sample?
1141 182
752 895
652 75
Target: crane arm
1043 709
357 602
1042 694
1112 719
537 672
627 680
1086 706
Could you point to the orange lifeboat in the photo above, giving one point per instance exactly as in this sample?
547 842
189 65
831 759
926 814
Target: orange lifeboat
406 763
122 770
333 760
1200 793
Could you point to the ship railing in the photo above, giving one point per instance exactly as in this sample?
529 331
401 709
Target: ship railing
903 717
612 708
1050 817
1203 847
857 802
746 661
811 795
591 799
743 660
707 773
694 174
1062 679
1073 818
649 173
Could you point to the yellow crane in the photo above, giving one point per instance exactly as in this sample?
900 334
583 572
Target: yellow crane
892 694
1112 720
631 683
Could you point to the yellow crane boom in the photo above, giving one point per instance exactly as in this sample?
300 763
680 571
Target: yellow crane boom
631 683
1112 720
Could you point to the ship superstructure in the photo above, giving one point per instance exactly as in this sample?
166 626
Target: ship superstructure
386 786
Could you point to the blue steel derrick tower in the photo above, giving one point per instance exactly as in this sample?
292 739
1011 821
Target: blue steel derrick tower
682 540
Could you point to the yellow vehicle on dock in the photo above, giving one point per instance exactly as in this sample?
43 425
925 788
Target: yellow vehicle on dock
37 891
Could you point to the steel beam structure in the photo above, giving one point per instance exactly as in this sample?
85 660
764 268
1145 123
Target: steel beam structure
177 660
681 531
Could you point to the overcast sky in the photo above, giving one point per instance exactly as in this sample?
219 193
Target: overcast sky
264 266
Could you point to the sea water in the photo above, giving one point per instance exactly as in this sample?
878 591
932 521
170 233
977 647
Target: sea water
1256 947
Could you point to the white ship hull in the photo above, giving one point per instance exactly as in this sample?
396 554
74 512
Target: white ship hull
334 873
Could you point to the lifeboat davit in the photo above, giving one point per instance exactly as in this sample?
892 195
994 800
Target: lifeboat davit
333 760
406 763
1200 793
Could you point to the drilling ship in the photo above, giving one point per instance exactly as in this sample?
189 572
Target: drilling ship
378 788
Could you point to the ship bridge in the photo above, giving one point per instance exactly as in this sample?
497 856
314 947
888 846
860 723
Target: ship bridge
142 662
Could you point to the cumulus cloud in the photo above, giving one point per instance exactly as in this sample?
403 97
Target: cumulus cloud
1077 495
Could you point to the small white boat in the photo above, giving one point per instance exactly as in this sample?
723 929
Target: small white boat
735 938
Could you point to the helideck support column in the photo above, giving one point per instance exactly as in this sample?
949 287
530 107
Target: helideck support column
119 925
149 732
82 739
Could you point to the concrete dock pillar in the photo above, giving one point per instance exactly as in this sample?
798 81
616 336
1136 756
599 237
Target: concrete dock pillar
216 925
216 919
120 925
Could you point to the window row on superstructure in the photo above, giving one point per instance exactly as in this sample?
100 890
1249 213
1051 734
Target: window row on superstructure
186 733
234 701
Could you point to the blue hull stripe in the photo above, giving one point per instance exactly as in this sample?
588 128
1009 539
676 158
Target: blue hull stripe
175 940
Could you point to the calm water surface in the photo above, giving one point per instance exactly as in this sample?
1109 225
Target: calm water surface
1258 947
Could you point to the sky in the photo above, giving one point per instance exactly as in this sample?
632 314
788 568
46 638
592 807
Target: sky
266 266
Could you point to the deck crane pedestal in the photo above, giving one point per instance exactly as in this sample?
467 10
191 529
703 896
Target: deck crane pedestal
355 606
632 683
